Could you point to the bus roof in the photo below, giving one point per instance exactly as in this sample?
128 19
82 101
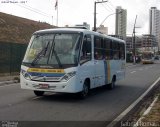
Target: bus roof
60 30
77 30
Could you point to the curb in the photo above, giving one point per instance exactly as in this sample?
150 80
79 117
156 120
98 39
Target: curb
8 82
131 64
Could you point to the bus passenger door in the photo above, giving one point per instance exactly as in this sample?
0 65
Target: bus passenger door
99 71
86 62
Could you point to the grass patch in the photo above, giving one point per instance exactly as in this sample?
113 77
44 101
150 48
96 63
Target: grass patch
154 115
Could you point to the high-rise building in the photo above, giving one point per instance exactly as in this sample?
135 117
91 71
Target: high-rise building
121 22
154 24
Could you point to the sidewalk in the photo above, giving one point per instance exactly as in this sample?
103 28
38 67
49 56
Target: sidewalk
9 79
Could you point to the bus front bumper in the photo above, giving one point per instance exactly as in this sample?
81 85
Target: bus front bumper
69 86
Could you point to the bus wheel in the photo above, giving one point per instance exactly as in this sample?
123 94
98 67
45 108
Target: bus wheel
84 93
38 93
112 84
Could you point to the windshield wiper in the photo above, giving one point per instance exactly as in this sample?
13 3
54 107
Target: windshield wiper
55 53
41 54
57 58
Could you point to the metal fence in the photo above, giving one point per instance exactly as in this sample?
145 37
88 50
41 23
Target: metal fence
11 55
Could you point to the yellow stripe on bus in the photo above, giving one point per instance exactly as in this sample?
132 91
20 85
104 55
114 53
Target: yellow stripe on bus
41 70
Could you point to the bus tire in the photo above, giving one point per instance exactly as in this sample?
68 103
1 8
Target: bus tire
84 93
111 86
38 93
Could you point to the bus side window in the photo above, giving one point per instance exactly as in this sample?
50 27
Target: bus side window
85 54
115 50
107 47
98 48
122 51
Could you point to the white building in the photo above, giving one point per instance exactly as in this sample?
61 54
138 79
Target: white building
121 22
85 24
154 24
102 29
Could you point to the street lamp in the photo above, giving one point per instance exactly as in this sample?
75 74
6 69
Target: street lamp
109 16
95 3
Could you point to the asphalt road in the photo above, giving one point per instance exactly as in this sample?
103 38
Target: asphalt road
101 106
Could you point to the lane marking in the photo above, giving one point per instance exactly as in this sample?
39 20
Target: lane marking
152 66
132 72
48 94
126 111
146 68
37 97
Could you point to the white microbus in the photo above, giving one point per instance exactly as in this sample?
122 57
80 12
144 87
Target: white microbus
72 61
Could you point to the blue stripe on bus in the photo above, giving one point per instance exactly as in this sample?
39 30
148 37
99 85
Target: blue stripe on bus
47 74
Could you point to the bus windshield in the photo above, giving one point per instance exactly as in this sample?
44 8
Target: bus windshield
147 55
56 50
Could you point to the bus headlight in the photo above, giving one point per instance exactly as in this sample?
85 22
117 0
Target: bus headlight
67 76
25 74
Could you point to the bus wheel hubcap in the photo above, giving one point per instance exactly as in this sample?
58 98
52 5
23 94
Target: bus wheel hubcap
85 90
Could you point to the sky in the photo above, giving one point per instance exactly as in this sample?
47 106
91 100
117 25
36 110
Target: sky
71 12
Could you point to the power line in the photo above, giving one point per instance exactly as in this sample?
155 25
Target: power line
113 8
111 4
36 10
106 7
32 10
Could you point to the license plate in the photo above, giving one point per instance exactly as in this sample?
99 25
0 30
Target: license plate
44 86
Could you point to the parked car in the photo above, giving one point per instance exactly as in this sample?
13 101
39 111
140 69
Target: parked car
156 57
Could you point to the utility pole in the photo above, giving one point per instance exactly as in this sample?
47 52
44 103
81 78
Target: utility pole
134 42
95 3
